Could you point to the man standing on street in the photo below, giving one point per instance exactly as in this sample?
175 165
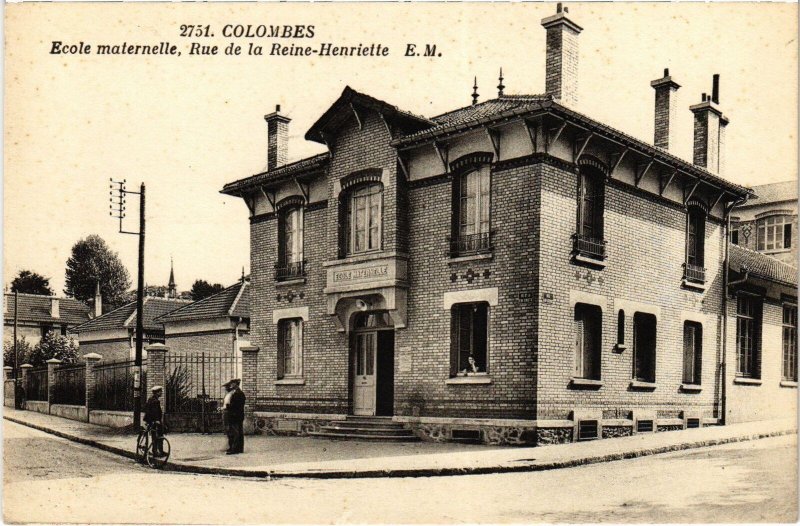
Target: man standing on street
233 416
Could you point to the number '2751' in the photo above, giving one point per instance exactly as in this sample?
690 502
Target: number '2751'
196 31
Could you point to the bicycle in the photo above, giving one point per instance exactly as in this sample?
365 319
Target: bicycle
145 446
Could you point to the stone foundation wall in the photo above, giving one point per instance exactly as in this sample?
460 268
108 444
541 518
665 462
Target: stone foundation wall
559 435
617 431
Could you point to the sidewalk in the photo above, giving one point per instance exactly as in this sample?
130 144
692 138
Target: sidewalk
270 456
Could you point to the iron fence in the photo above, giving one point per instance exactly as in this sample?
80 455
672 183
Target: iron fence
69 384
114 382
36 385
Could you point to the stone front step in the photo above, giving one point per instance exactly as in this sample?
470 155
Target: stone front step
383 438
389 431
366 428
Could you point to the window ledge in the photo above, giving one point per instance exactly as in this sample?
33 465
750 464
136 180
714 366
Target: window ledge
467 380
747 381
638 384
693 285
585 382
620 347
287 282
472 257
291 381
599 263
691 388
788 383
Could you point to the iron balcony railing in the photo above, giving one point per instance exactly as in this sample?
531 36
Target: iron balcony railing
588 246
292 270
469 244
694 273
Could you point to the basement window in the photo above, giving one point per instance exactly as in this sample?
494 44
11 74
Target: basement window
588 430
644 426
692 423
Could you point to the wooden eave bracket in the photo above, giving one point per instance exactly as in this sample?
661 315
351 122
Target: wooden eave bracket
358 117
303 187
578 151
441 150
619 157
641 175
533 134
249 202
328 142
691 192
662 187
269 196
558 133
717 200
403 165
494 137
386 124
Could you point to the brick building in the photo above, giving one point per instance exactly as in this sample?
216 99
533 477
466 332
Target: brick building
512 271
768 222
40 314
216 325
113 335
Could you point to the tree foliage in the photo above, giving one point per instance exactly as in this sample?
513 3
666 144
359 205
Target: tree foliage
92 261
202 289
53 345
29 282
24 350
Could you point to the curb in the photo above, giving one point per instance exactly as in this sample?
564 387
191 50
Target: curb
413 472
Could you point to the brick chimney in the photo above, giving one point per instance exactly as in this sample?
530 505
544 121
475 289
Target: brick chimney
709 132
277 138
54 312
665 109
561 64
98 301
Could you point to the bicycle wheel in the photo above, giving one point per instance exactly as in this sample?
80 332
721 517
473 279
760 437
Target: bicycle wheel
158 461
141 447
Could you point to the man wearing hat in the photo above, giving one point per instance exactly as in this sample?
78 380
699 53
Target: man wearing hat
153 416
233 416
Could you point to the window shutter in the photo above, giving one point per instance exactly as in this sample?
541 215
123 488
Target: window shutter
301 237
282 239
454 326
342 225
455 212
701 238
757 329
787 235
599 206
280 327
579 342
688 351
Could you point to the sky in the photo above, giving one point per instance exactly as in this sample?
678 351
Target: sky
187 125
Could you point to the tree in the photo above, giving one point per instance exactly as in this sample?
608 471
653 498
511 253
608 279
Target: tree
53 345
29 282
24 351
202 289
92 261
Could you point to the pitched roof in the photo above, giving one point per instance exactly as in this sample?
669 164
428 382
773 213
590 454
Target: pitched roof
773 193
232 301
125 317
303 166
36 308
761 266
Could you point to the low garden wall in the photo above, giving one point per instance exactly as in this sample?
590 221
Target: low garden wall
111 418
37 405
72 412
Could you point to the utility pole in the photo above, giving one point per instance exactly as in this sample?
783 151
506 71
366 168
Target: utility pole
16 318
118 206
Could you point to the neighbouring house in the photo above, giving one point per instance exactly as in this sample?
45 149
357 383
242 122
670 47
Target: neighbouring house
40 314
113 335
217 325
761 365
512 271
767 223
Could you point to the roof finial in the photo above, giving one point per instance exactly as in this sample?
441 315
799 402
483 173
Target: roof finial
242 273
475 92
500 86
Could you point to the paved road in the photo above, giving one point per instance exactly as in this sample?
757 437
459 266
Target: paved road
48 479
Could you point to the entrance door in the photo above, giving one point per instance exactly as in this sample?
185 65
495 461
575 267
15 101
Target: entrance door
364 374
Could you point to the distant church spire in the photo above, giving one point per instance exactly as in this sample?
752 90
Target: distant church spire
172 290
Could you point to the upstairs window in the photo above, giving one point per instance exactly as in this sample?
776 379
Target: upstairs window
774 233
588 338
363 218
472 199
588 238
290 348
692 352
290 244
789 342
695 245
748 337
644 347
469 338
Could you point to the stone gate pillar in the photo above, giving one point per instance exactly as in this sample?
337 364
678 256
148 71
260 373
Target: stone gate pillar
91 361
52 363
156 371
249 385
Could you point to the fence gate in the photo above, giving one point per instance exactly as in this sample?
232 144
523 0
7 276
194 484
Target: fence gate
194 391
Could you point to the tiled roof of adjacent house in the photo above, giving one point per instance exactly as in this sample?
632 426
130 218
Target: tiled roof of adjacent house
36 308
303 166
232 301
762 266
125 316
773 193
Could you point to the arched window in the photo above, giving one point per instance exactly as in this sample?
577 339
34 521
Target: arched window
774 233
471 214
362 227
290 243
695 245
